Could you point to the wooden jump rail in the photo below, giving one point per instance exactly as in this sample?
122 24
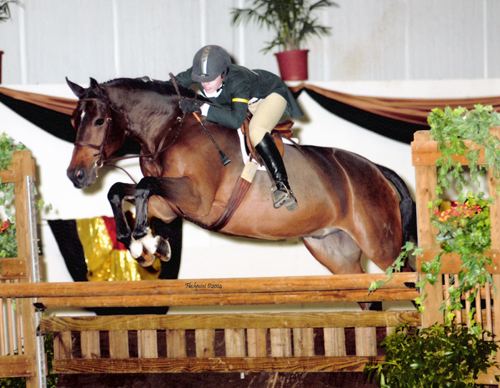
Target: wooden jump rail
216 292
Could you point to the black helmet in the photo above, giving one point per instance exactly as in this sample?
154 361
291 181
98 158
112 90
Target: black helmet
209 62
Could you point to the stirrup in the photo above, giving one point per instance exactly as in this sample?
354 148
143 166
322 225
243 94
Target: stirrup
283 196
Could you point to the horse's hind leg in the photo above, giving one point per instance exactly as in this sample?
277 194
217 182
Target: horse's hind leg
340 254
337 251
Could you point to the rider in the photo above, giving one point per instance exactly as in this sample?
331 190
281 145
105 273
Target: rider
233 89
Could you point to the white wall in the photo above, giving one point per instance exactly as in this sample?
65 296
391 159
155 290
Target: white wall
371 40
207 254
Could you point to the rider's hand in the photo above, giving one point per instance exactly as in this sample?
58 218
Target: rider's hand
189 105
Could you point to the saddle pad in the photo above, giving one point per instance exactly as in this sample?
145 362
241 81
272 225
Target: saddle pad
245 156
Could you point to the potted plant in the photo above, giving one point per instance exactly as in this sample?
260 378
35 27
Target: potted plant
293 22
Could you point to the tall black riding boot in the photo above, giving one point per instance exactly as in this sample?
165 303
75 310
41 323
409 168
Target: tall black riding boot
282 194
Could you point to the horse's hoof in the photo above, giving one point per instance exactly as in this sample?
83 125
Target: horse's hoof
135 249
163 251
146 260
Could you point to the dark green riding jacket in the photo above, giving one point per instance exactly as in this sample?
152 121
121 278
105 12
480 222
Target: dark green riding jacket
240 85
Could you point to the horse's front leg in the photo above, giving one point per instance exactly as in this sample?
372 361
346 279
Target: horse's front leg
116 194
176 191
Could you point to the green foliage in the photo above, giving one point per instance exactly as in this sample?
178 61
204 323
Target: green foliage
464 228
7 147
292 21
408 250
8 244
437 356
451 128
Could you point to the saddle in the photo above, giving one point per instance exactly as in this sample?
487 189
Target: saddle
282 130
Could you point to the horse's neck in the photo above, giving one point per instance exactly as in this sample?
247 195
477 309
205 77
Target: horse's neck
148 116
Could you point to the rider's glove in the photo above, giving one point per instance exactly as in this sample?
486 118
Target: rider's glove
189 105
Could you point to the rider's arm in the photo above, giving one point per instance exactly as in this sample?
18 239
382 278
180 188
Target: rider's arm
234 107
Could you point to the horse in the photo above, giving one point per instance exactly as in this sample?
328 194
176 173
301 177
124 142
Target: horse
348 205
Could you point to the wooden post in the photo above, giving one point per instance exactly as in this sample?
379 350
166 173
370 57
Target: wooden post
426 181
24 165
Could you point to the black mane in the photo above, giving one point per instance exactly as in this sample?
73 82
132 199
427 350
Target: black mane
161 87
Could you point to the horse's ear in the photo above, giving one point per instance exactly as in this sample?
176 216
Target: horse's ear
94 84
77 89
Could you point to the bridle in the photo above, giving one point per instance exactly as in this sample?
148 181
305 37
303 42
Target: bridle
101 160
108 119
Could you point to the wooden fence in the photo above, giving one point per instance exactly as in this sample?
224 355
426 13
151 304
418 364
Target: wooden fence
293 341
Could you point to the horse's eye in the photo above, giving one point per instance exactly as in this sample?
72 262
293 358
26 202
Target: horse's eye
99 122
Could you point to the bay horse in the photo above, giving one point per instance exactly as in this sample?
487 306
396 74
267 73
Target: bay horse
348 206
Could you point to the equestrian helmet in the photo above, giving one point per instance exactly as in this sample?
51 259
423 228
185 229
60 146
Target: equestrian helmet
209 62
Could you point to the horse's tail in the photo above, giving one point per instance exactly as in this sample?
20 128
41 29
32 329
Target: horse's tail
407 205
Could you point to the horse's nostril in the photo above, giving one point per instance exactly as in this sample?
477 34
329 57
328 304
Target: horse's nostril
79 174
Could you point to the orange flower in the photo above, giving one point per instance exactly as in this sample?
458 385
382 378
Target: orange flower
4 226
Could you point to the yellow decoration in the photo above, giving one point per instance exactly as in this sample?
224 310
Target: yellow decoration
105 263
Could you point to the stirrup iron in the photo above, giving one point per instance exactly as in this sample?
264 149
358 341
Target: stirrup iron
283 196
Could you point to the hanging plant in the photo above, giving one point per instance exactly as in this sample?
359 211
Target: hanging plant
454 130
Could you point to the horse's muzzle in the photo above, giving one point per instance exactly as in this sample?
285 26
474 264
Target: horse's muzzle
80 177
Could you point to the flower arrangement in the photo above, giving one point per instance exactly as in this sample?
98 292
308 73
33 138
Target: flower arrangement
463 228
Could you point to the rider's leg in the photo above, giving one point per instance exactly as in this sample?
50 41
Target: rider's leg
266 116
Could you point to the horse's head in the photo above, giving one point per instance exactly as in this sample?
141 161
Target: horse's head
98 136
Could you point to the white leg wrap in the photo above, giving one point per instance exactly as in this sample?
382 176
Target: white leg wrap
135 248
150 243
